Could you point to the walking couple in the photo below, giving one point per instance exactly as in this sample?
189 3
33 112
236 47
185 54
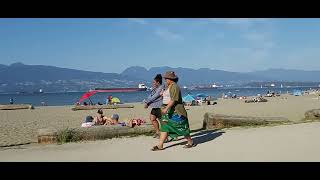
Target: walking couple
168 109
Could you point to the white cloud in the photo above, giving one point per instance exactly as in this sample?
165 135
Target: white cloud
244 23
168 35
138 20
259 40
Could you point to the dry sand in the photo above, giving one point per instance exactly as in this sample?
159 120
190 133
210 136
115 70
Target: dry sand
299 142
20 126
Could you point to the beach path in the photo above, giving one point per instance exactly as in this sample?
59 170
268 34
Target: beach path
298 142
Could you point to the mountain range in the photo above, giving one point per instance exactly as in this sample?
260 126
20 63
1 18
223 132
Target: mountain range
29 78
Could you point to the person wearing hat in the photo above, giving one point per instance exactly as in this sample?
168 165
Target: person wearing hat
88 122
154 101
174 120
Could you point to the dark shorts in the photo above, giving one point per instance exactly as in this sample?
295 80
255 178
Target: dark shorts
156 112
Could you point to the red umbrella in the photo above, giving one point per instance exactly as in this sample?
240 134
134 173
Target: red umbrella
87 95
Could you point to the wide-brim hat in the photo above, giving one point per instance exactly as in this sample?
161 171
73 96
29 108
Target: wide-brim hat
170 75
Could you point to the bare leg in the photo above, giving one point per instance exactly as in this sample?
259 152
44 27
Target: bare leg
155 123
163 137
189 139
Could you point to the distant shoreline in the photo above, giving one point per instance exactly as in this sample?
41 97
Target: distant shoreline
61 92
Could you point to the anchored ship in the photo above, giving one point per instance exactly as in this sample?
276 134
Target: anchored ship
142 87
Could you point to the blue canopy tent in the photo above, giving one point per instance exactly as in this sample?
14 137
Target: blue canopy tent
297 92
188 98
202 95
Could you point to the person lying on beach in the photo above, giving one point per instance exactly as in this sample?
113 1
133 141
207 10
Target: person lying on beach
135 122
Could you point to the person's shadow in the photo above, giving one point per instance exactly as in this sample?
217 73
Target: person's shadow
201 137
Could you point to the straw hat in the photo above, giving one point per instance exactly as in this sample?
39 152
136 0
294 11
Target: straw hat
170 75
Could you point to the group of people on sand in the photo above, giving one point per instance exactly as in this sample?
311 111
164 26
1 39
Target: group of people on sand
100 119
168 115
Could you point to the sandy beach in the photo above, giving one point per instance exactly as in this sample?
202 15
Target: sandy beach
298 142
20 126
235 144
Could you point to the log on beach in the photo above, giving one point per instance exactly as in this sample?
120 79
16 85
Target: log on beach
102 107
312 114
51 136
218 121
16 106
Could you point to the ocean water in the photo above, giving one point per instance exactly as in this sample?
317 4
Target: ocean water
70 98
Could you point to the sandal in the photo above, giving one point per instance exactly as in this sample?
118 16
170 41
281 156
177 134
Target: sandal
169 139
190 145
156 136
156 148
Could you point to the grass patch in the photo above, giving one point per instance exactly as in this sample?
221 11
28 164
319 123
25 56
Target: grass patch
67 135
73 135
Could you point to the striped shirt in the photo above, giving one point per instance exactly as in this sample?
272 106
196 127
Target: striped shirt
154 100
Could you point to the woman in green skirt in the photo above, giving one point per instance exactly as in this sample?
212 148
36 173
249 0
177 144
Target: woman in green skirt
174 120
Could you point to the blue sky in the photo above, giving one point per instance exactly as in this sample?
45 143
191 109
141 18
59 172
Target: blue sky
111 45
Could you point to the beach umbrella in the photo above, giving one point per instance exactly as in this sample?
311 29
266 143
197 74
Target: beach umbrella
115 100
87 95
188 98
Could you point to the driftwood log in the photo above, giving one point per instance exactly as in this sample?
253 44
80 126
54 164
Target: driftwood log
47 136
16 106
312 114
218 121
116 106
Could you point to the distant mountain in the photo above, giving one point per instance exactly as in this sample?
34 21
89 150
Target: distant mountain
191 76
206 75
288 75
21 77
3 66
136 71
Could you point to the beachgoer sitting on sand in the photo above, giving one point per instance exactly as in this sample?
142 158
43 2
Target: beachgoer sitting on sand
88 122
114 120
100 119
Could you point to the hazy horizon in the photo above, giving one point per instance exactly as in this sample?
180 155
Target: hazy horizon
161 66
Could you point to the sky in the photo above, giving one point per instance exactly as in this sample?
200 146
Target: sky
113 44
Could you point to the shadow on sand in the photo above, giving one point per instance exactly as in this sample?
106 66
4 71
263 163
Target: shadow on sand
200 137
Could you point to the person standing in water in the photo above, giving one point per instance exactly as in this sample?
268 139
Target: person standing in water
11 101
154 101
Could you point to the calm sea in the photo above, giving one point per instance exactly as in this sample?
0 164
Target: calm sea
70 98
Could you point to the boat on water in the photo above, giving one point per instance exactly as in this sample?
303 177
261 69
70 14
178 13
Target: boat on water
142 87
214 86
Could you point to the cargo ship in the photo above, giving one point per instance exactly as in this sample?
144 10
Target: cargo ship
141 87
214 86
